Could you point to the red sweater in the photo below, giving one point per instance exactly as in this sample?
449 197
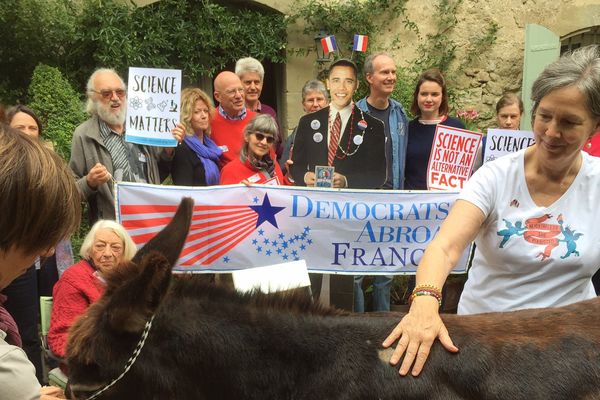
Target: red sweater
236 171
74 292
229 133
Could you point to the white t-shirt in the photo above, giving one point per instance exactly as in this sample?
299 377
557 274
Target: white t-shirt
17 374
529 256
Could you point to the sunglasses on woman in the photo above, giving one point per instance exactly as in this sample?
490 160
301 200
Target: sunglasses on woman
260 137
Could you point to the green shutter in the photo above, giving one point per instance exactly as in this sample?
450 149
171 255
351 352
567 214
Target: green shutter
541 48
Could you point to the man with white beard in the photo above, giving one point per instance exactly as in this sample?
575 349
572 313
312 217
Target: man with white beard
100 153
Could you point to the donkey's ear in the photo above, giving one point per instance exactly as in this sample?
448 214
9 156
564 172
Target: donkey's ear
169 242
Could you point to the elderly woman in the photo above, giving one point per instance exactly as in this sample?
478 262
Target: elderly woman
196 160
314 97
533 215
256 162
105 246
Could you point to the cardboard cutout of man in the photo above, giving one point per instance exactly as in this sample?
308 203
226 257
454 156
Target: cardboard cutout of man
359 154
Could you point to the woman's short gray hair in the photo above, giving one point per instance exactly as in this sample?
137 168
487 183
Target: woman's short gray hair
314 85
263 123
580 68
129 247
249 64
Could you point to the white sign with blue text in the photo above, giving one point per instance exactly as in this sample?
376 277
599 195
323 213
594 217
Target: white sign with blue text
153 106
334 231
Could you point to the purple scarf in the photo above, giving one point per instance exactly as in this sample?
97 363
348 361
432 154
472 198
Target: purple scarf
8 325
208 152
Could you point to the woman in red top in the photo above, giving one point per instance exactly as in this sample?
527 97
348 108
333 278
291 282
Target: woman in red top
105 246
256 162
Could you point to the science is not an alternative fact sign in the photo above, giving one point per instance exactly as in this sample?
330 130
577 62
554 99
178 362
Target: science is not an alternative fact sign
334 231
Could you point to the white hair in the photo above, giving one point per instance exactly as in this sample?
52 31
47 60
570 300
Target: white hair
249 64
90 106
129 247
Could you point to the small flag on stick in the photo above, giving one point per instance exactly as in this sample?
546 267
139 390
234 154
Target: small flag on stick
360 43
329 45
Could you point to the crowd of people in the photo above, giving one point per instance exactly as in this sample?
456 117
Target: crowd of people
371 144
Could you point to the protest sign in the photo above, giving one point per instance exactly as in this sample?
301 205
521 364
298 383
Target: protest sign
504 141
452 157
354 232
153 106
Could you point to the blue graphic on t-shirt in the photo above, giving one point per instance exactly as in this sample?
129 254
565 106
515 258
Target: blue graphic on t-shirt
570 238
516 229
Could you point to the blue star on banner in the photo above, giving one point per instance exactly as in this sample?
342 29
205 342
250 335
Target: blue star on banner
266 212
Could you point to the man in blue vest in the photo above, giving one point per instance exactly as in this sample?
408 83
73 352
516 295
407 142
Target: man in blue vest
380 73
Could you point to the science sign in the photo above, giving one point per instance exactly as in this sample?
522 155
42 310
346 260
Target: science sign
335 231
452 157
153 106
500 142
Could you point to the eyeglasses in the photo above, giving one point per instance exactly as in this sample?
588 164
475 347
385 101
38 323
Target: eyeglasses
108 93
261 136
233 92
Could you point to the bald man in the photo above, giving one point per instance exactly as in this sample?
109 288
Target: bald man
232 116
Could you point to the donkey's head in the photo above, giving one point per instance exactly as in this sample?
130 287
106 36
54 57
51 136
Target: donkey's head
103 339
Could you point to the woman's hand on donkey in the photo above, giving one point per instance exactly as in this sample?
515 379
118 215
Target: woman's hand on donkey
416 333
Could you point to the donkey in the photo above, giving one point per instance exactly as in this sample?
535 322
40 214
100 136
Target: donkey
152 336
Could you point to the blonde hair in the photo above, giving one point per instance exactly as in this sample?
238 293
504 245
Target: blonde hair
189 97
39 199
129 247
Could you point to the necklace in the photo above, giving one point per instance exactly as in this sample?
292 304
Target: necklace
346 152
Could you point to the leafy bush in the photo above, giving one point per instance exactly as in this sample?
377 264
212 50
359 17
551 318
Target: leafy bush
57 105
200 37
32 32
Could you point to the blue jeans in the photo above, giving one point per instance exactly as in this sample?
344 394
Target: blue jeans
381 293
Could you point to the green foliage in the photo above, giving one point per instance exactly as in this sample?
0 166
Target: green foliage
198 36
344 19
374 18
57 105
33 31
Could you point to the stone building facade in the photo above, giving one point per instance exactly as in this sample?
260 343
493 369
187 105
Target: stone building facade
482 83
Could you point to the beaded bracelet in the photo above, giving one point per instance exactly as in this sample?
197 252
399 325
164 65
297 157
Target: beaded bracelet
426 290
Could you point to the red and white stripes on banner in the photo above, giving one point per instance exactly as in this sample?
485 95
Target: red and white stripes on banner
214 230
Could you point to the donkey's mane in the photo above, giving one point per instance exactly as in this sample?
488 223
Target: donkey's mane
296 301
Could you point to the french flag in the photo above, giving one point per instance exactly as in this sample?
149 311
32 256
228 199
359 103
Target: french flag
360 43
329 44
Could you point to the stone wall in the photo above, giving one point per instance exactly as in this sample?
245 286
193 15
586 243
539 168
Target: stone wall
479 85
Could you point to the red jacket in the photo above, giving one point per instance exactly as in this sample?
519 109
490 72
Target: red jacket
75 291
237 171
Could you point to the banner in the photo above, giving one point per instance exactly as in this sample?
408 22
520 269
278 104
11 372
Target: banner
500 142
355 232
153 106
452 157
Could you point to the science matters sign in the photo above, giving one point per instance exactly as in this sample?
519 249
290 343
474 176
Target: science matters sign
153 106
335 231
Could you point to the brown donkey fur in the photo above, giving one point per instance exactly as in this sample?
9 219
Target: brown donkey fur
208 342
